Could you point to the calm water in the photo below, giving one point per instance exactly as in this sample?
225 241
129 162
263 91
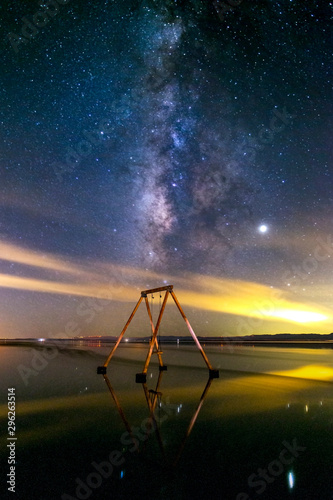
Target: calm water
262 430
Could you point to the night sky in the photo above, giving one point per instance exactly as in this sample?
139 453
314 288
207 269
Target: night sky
146 142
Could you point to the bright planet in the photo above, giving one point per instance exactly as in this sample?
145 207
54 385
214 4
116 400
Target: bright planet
263 228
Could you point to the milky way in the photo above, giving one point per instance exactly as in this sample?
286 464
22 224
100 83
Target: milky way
191 186
162 135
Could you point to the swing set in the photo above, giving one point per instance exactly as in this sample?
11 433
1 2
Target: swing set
154 402
154 344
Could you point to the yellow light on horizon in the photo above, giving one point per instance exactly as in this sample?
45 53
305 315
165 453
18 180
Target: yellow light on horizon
308 372
299 316
207 293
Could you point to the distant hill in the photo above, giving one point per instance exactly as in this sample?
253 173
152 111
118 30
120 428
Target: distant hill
279 337
175 339
282 337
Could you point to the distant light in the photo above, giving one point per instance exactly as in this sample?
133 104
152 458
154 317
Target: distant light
263 228
126 340
299 316
306 408
291 480
41 340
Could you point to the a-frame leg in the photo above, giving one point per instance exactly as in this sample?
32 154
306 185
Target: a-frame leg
141 377
162 367
102 369
152 397
121 412
212 373
194 418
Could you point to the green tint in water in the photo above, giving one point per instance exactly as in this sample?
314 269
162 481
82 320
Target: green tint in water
245 435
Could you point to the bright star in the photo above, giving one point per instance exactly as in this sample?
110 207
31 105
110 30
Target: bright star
263 228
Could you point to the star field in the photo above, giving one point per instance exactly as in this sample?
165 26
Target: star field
167 138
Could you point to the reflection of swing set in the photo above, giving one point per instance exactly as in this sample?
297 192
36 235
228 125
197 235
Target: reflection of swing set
153 398
141 377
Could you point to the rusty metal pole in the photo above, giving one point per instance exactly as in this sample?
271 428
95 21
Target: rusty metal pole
141 377
193 420
160 361
153 421
213 373
102 369
121 413
118 405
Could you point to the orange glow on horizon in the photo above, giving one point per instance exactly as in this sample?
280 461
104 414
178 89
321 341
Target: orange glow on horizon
206 293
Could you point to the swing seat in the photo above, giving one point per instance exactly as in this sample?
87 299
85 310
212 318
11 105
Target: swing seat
157 393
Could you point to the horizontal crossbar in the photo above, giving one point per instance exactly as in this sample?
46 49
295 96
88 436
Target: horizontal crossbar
144 293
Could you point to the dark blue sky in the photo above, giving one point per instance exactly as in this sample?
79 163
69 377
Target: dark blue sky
170 140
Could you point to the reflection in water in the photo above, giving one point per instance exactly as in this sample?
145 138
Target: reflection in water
181 437
194 418
153 398
312 372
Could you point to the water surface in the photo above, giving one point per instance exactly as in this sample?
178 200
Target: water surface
262 430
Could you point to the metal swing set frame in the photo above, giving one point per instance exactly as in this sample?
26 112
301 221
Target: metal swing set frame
141 377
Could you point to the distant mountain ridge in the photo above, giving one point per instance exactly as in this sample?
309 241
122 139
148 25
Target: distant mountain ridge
246 339
278 337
